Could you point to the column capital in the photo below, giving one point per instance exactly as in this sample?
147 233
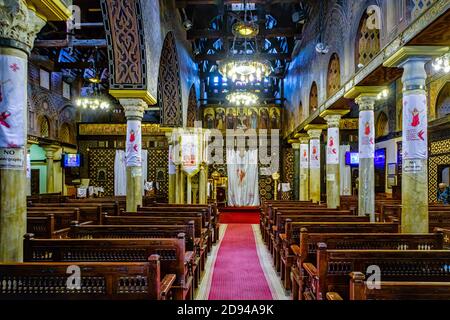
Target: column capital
19 24
296 146
134 108
315 133
333 117
50 150
366 102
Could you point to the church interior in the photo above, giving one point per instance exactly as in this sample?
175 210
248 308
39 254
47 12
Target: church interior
225 150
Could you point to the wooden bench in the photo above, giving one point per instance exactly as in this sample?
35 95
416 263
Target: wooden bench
292 236
393 290
174 259
306 251
99 281
282 219
333 267
77 231
91 212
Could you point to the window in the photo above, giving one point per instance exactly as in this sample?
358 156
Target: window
382 126
44 79
64 133
334 75
44 127
67 90
313 99
367 43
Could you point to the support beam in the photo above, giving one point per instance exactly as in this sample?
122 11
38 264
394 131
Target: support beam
263 34
76 43
264 56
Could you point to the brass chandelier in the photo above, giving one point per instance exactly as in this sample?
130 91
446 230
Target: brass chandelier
242 98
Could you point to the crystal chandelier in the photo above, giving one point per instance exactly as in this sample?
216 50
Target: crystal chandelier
244 70
93 103
242 98
442 63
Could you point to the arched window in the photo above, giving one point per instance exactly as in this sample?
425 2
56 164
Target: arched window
443 102
44 127
334 75
367 42
313 98
382 126
65 134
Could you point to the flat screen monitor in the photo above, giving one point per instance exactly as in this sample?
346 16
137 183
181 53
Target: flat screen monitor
71 160
352 158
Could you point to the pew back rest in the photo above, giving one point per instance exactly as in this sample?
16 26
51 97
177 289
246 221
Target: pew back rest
99 281
283 218
171 251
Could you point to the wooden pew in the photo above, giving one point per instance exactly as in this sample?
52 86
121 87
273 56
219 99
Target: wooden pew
292 236
77 231
110 205
332 269
281 222
393 290
91 212
99 281
306 251
172 252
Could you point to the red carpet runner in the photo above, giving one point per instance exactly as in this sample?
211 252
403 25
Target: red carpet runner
237 273
239 215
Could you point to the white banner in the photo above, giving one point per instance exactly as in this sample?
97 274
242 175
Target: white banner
13 101
314 154
304 156
415 121
12 158
172 168
28 166
190 153
333 146
366 135
133 156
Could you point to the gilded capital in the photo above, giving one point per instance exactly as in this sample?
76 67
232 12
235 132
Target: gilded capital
315 133
19 23
333 120
366 102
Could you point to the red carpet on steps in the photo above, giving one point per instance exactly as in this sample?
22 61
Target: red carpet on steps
237 273
247 215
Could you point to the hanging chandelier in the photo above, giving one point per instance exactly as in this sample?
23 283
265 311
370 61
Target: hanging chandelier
93 99
242 98
245 68
442 63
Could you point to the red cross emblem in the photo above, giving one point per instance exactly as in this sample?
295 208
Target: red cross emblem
14 67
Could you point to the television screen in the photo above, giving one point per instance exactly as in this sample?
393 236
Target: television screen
352 158
71 160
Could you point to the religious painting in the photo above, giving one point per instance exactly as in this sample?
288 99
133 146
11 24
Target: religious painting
134 144
252 118
160 174
274 118
230 119
101 174
242 119
190 153
220 118
264 121
208 118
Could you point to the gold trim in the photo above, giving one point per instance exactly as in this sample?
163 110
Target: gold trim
300 136
414 51
52 10
133 94
371 91
293 141
333 112
315 127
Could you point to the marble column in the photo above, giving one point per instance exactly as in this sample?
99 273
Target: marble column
314 164
177 187
189 190
333 178
50 156
181 186
296 193
366 140
202 184
415 147
304 169
18 28
134 112
171 171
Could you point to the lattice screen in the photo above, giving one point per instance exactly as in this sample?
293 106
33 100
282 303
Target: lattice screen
334 75
313 98
439 155
368 42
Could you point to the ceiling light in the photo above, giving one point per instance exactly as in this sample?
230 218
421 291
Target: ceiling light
244 69
442 63
245 29
242 98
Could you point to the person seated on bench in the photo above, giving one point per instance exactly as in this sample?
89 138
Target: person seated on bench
443 194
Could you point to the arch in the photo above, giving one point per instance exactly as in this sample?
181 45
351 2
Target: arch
169 84
44 127
367 44
334 75
313 98
65 133
443 101
382 125
192 108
